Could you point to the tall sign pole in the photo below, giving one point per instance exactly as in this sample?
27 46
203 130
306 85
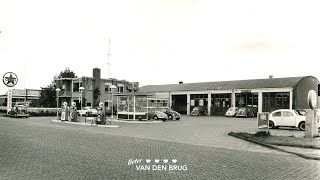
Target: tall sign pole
9 79
109 60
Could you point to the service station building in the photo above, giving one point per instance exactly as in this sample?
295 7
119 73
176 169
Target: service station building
264 94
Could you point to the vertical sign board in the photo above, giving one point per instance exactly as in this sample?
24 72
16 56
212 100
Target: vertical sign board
9 79
9 99
263 121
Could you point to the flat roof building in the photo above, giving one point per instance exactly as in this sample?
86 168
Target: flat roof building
265 94
96 89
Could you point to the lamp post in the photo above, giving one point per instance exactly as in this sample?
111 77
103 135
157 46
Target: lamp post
81 90
57 94
112 87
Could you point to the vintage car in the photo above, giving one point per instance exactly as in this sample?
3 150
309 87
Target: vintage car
171 113
155 114
199 111
301 112
18 111
288 118
232 111
245 112
87 110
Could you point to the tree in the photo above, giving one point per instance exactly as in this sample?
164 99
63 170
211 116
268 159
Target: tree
48 97
48 94
67 73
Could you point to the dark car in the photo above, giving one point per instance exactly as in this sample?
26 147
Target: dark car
199 111
171 113
301 112
245 112
19 111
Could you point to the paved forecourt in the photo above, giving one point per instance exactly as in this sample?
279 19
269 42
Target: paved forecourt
37 148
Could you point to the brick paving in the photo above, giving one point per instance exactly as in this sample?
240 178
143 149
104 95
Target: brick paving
207 131
37 148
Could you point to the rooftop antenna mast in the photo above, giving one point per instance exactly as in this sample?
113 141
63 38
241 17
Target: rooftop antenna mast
109 59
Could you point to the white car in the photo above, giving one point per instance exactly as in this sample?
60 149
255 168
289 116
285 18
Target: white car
232 111
87 109
288 118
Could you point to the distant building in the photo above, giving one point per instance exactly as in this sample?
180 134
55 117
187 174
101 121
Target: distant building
21 95
264 94
95 90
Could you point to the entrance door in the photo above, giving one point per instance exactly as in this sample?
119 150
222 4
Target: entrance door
179 103
248 100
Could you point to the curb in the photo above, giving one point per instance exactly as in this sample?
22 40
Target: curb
137 122
273 147
77 123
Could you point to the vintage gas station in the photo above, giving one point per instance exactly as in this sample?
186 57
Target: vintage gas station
264 94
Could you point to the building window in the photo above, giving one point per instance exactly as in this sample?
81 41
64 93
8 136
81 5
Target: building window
120 88
76 86
107 87
106 104
88 104
89 87
275 100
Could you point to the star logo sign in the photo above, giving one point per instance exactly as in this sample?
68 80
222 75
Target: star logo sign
10 79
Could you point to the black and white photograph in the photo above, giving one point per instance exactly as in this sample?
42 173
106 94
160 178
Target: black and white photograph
159 89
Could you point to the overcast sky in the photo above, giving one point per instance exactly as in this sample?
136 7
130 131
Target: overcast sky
159 41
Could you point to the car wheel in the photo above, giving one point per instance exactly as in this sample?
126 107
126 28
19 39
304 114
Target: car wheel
302 126
246 116
155 117
271 124
170 117
177 118
15 115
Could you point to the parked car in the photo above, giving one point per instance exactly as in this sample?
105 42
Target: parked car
254 109
198 111
156 114
171 113
18 111
232 111
245 112
87 110
288 118
301 112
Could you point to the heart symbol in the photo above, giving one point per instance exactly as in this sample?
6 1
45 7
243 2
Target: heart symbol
165 160
174 160
148 160
156 160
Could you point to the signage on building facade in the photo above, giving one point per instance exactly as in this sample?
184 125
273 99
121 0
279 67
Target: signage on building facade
246 91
